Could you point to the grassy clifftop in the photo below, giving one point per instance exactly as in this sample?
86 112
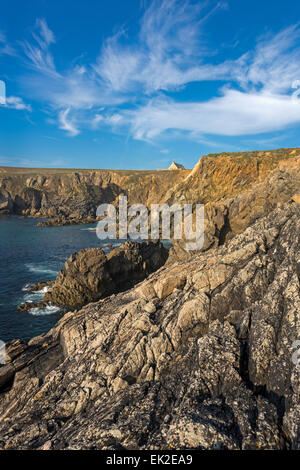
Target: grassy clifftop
73 195
218 176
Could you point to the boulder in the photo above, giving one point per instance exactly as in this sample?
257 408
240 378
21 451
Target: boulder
90 275
208 364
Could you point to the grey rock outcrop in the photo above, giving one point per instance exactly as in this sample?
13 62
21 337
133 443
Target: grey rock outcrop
198 355
90 275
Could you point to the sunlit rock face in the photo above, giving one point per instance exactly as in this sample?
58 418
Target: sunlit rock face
199 351
90 275
198 355
72 196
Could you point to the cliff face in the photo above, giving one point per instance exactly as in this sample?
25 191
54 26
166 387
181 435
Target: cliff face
199 355
66 196
275 182
72 196
218 176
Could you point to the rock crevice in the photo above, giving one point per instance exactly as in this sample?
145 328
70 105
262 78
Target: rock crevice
198 355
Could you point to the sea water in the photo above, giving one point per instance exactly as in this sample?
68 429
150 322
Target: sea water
30 254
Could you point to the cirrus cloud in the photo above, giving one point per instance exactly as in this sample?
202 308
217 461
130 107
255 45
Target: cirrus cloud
127 86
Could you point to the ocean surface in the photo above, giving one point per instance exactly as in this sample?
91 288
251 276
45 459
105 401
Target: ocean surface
31 254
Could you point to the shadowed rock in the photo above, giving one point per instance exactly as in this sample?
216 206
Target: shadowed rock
201 363
67 197
199 355
90 275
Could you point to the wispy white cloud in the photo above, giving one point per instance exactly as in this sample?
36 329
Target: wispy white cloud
274 63
264 104
75 89
45 36
98 118
38 53
164 57
5 47
66 123
235 113
168 53
15 102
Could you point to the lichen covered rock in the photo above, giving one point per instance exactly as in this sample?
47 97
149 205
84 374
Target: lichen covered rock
205 363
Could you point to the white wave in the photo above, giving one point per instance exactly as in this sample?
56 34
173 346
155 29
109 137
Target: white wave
48 310
26 287
33 297
34 293
41 269
91 229
43 290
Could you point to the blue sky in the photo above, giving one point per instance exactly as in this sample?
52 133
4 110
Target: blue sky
134 84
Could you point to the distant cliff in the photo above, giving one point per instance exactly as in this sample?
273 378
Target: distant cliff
223 175
236 189
69 196
198 355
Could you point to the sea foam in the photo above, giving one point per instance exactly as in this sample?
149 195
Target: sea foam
40 269
48 310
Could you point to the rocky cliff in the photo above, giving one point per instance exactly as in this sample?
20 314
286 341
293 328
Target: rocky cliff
225 216
199 355
224 175
72 196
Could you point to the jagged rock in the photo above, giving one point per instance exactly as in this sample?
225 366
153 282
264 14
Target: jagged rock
226 218
296 198
6 204
66 197
166 286
15 348
25 306
90 274
38 286
210 368
150 307
43 286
